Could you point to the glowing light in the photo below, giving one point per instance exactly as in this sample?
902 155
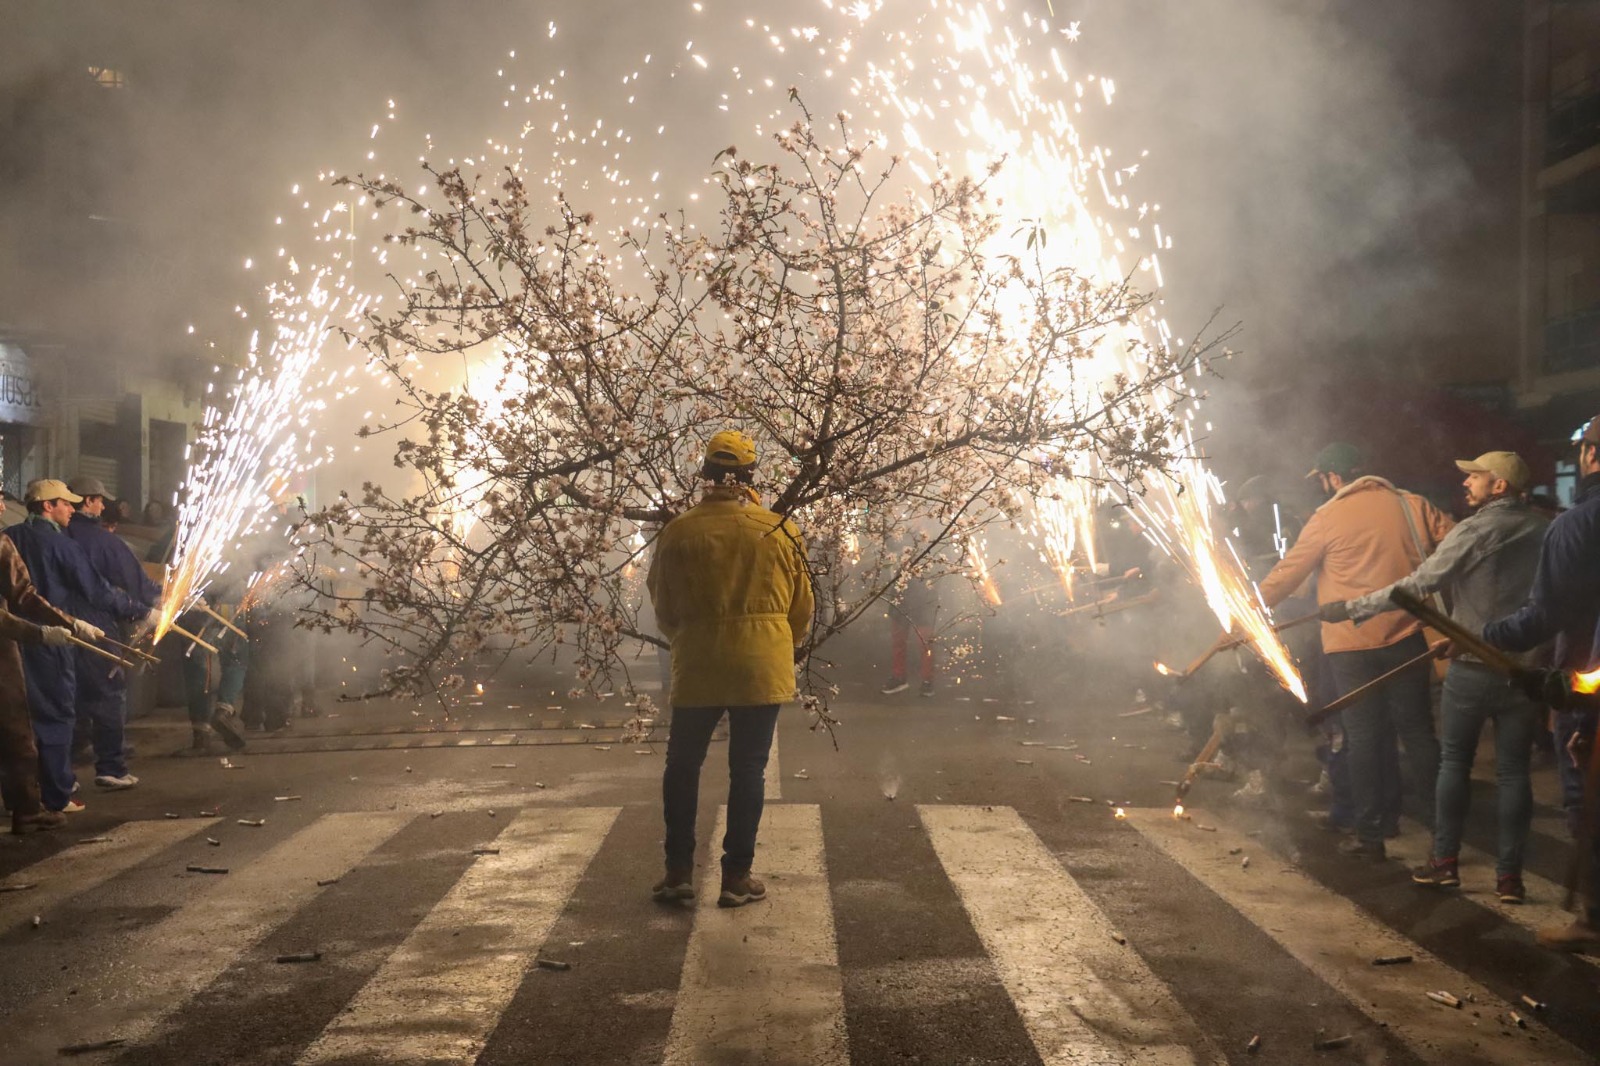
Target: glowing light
976 556
1586 683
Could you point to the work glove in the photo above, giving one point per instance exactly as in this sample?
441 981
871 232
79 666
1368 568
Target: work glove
1337 611
56 636
84 631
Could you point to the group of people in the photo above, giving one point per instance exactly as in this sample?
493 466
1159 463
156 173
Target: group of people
1526 586
67 583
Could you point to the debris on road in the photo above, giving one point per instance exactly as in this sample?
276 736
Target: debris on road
95 840
602 747
1081 799
1244 863
326 881
169 814
1024 762
1146 709
284 799
552 964
1119 938
18 888
1518 1020
1254 1045
1205 828
802 776
194 869
1001 717
1391 960
300 956
1446 998
38 920
254 823
1031 743
1532 1004
1332 1043
486 851
502 766
539 784
214 842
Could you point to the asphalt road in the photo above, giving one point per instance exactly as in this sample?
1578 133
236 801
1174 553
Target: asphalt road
950 886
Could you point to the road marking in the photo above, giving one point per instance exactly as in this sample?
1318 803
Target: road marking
761 982
772 778
79 868
440 994
1337 941
163 966
1083 996
1543 907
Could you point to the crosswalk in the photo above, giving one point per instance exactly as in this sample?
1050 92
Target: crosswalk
464 973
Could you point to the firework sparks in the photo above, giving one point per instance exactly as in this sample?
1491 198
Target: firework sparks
978 558
1585 684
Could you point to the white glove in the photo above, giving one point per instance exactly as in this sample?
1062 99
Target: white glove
84 631
56 636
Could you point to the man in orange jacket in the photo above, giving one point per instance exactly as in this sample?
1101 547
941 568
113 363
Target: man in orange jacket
1367 536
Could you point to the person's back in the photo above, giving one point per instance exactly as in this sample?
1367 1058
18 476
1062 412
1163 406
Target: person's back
731 593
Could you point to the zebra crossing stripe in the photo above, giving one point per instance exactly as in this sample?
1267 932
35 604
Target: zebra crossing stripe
761 983
167 963
772 778
1082 994
1337 941
76 870
441 993
1542 907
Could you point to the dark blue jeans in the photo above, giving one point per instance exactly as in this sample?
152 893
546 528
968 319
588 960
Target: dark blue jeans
231 664
1567 724
1398 710
749 742
1473 695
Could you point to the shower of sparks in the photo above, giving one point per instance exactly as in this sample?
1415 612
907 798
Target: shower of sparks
978 558
948 84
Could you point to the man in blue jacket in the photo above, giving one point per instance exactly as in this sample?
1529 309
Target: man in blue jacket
1564 605
63 576
102 696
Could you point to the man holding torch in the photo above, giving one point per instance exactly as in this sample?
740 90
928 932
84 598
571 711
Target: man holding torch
1484 568
1368 535
63 577
1564 605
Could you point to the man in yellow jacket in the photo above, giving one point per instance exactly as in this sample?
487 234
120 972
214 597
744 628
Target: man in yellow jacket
733 597
1366 537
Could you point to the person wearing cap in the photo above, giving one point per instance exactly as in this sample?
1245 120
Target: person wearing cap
63 576
732 595
102 695
25 619
1563 605
1483 568
1367 536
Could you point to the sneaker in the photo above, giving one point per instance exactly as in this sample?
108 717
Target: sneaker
112 782
895 685
227 726
1323 786
926 689
76 784
1579 936
74 807
1440 873
739 889
1509 888
676 886
1356 848
37 822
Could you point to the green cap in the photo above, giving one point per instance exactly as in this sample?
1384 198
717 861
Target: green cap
1338 458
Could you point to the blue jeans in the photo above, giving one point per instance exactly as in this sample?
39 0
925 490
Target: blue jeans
1567 724
1474 694
232 663
749 742
1397 710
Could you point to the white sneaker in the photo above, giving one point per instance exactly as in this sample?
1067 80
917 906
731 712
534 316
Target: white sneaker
106 781
74 807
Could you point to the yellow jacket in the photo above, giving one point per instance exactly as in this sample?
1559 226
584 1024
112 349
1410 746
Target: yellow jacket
729 585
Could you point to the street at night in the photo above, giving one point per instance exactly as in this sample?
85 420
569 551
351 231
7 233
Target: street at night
723 532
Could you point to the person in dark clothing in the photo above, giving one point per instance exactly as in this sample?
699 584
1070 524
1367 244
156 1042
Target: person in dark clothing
1564 605
913 609
102 695
63 576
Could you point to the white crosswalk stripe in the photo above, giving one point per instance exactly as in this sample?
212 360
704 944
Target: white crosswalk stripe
1083 995
761 982
429 1003
175 958
1337 941
78 869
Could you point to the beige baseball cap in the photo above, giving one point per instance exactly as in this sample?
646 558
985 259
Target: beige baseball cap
46 489
1507 466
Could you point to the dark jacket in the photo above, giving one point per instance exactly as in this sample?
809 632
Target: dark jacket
1564 603
61 572
112 559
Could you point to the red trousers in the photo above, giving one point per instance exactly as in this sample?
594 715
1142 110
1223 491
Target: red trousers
900 631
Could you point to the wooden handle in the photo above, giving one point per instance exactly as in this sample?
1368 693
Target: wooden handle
182 632
101 652
201 605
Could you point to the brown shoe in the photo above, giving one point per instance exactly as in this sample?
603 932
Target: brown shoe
739 889
39 821
1579 936
676 886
